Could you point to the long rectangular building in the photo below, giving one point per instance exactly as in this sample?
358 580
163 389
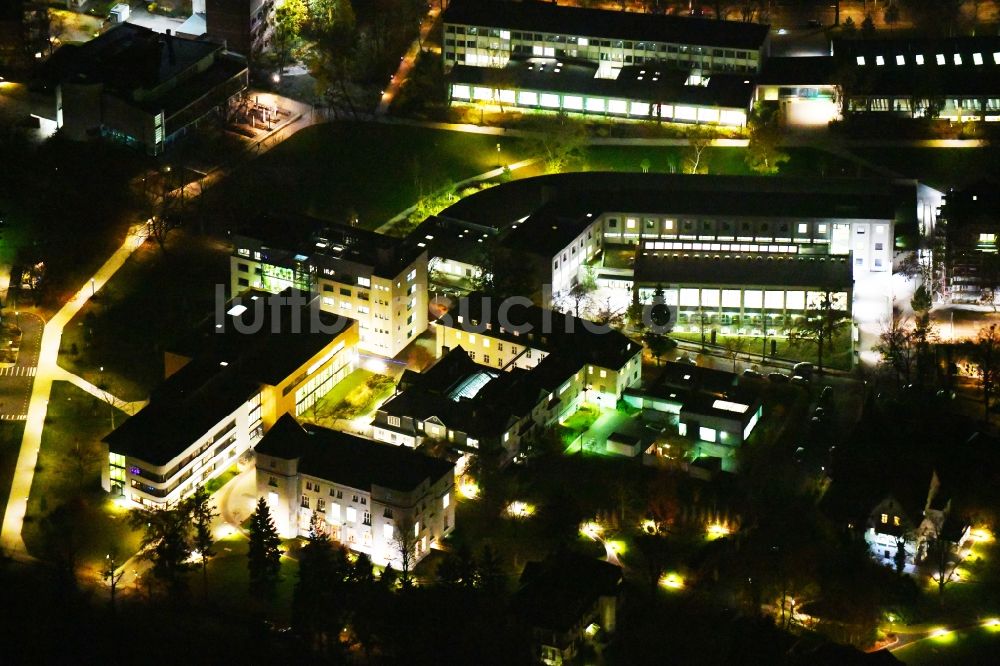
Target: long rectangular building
262 358
547 57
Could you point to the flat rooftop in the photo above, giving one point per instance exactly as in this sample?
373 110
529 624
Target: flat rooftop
744 269
651 83
681 194
350 460
606 24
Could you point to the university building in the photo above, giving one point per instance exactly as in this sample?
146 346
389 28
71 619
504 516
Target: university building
226 385
968 228
138 87
536 55
377 280
373 498
737 250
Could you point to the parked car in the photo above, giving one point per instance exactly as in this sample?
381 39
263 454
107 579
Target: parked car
814 23
803 370
752 373
778 378
826 394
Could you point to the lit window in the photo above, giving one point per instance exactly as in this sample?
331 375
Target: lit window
630 223
446 501
460 91
895 521
394 421
486 342
583 41
505 34
957 58
919 58
879 60
885 518
977 58
996 58
803 228
939 58
352 514
364 282
900 60
604 373
861 61
821 228
416 529
707 434
387 532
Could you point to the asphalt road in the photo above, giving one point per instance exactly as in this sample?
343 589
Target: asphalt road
16 382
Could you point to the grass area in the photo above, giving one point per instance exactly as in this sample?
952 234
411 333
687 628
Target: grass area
578 423
68 514
228 578
371 171
839 358
356 395
971 646
157 296
10 446
216 484
726 161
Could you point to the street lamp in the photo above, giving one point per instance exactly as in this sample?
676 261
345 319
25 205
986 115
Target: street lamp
498 155
93 288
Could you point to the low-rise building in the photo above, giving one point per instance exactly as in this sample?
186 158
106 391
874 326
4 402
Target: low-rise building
373 498
377 280
545 56
228 384
567 600
136 86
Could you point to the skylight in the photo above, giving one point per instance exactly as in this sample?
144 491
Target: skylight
958 58
900 60
977 58
861 61
940 58
236 310
728 406
879 60
919 58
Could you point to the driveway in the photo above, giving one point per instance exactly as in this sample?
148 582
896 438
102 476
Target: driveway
16 381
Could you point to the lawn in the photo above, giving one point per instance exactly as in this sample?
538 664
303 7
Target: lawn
971 646
356 395
67 510
156 297
369 171
228 578
750 347
805 162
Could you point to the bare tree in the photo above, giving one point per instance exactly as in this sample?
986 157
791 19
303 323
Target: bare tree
985 352
699 139
405 542
112 574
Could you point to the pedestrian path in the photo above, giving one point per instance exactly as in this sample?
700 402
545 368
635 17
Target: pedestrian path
18 371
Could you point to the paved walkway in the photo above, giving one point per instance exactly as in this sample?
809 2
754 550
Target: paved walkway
49 371
130 408
407 62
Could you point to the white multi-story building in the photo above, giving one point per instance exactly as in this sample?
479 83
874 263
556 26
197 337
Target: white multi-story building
377 280
373 498
226 387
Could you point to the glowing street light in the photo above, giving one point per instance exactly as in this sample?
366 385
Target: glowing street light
591 530
717 530
672 581
469 489
520 509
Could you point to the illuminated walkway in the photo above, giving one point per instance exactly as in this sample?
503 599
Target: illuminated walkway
130 408
49 371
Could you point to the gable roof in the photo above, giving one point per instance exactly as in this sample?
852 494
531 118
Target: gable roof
556 593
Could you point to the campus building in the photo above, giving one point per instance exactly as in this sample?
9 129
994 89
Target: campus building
245 26
377 280
371 497
261 358
968 228
494 389
543 56
733 249
138 87
956 78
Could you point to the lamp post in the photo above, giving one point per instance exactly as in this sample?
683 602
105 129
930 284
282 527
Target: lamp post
499 164
93 288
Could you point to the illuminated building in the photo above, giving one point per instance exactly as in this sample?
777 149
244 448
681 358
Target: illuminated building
377 280
226 386
373 498
543 56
